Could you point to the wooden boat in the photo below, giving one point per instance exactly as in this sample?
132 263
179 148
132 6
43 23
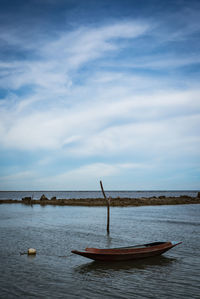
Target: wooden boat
127 253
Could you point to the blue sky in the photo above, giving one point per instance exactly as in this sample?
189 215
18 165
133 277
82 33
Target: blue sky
94 90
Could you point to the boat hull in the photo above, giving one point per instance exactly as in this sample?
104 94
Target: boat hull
124 254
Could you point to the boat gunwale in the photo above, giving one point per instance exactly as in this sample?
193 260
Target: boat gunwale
115 252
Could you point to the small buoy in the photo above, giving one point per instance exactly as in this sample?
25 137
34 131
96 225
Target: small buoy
31 251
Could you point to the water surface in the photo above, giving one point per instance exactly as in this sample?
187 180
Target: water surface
56 273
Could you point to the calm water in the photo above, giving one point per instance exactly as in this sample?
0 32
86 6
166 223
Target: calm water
56 273
91 194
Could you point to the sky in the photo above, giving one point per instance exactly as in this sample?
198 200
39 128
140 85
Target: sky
99 90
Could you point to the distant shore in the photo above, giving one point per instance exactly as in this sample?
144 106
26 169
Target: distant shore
116 202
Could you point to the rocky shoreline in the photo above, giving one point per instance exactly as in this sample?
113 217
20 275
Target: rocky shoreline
115 202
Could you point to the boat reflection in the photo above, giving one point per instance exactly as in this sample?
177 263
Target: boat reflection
95 266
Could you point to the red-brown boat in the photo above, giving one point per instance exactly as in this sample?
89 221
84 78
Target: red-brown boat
127 253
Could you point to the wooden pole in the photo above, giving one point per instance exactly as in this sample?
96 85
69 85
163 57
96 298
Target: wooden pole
108 207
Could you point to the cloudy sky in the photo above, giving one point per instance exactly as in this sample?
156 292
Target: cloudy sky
99 89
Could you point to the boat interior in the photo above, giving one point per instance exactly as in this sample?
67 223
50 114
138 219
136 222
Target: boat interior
128 247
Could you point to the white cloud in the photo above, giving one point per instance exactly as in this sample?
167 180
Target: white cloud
106 122
88 176
166 62
99 113
81 178
68 52
18 180
86 44
158 138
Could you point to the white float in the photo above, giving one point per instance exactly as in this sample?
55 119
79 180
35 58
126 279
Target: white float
31 251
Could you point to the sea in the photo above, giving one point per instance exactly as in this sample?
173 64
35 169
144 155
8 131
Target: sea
54 272
93 194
